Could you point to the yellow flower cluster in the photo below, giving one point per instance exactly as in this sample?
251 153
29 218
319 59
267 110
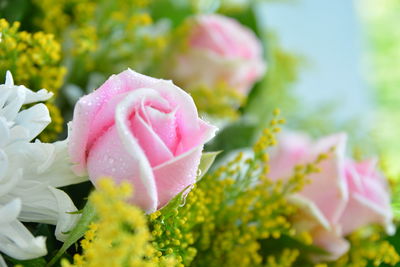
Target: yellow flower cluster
120 236
52 18
229 211
286 259
219 101
234 216
370 249
34 61
102 35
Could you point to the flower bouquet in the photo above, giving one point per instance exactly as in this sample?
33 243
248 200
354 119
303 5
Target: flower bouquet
157 141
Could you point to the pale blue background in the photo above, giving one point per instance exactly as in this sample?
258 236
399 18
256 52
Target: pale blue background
327 33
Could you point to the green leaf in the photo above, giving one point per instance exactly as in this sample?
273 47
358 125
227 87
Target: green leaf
175 10
14 10
207 159
88 216
240 134
273 246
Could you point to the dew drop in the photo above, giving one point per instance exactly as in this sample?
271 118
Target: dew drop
185 194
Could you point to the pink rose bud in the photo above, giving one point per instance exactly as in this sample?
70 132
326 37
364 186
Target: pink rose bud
142 130
220 50
341 198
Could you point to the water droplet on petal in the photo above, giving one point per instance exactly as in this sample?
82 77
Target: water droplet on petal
185 194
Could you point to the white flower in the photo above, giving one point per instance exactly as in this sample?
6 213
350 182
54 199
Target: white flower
30 173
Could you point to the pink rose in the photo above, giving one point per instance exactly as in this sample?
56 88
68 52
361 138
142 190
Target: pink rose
341 198
220 50
142 130
369 200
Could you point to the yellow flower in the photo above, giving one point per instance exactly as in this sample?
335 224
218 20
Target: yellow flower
120 236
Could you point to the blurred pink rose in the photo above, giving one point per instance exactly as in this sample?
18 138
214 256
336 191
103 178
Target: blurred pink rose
220 50
369 200
341 198
142 130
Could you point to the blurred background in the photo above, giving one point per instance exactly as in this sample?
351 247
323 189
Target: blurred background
332 65
349 77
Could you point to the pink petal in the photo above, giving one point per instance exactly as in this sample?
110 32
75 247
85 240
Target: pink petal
110 158
204 134
175 175
187 121
369 198
154 148
226 37
328 189
308 215
87 108
164 125
331 242
291 150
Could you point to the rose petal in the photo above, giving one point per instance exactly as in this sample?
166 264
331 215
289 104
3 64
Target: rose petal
110 158
328 189
369 198
330 241
175 175
164 125
291 149
309 214
225 36
88 107
154 148
132 147
204 134
186 111
105 116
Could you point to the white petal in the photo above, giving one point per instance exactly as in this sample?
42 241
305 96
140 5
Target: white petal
47 155
2 262
15 240
16 100
5 92
65 221
9 212
19 133
41 95
60 173
3 165
10 181
4 132
9 79
32 97
45 163
35 119
48 205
